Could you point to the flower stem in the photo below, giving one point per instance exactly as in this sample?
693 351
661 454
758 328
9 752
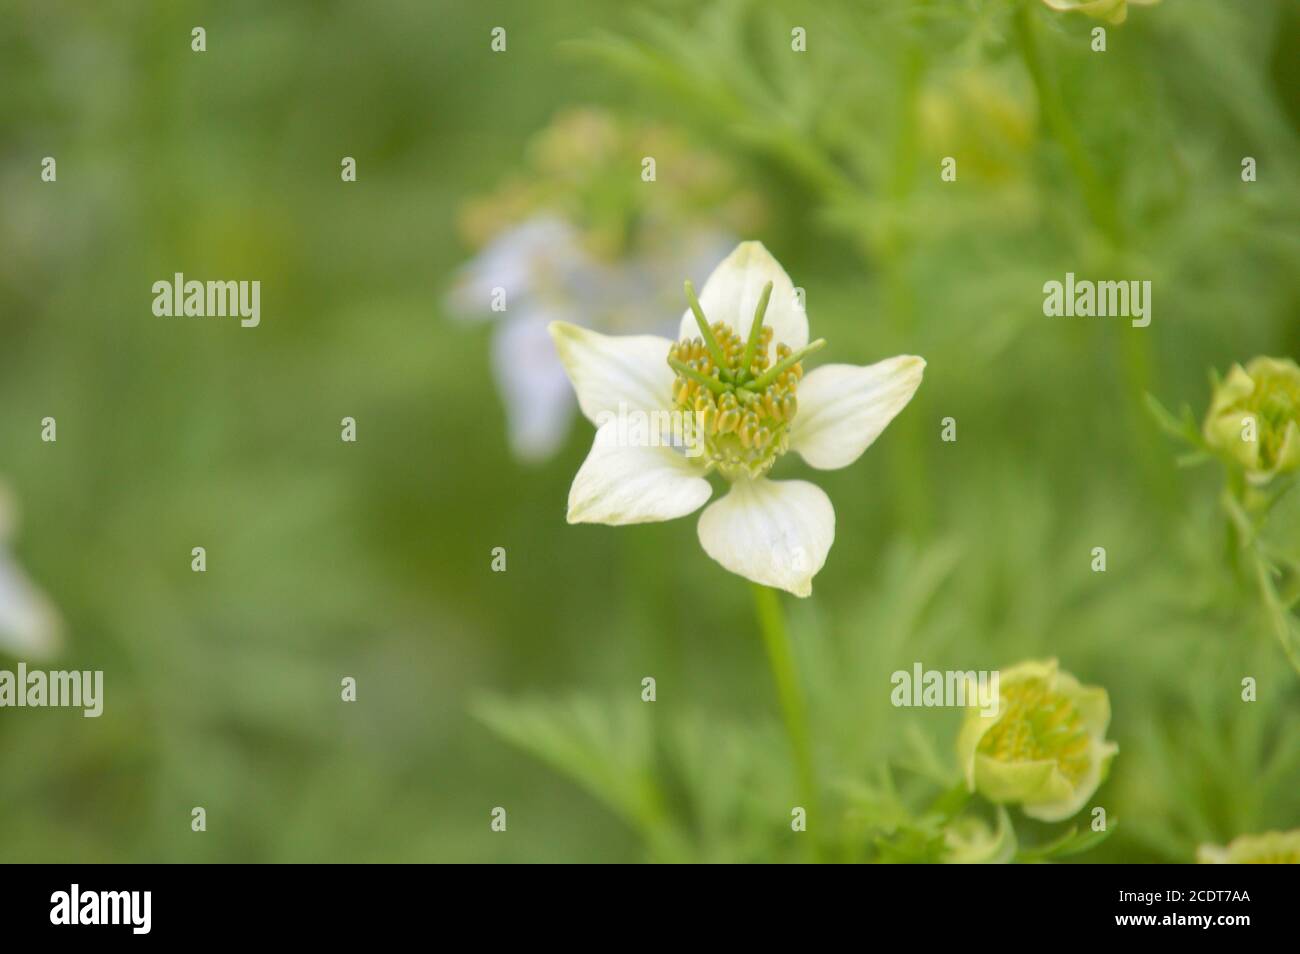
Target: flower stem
1278 613
1058 119
780 656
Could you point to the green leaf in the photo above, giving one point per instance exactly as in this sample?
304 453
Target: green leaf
607 750
1182 428
1073 842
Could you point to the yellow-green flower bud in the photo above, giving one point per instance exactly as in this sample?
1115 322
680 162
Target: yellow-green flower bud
1254 418
1270 848
1044 747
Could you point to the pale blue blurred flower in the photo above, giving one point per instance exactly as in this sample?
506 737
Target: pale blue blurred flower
547 276
29 624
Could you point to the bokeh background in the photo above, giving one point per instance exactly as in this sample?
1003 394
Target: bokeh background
522 689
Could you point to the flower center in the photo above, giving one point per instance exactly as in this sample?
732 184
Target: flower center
1038 725
743 405
1276 400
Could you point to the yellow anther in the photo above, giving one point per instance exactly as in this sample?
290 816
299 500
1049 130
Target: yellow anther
746 418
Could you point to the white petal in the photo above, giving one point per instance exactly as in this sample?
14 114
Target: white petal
772 532
538 400
620 484
606 370
29 625
731 294
843 408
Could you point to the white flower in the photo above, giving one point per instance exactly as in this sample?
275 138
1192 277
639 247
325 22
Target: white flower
753 403
548 276
29 625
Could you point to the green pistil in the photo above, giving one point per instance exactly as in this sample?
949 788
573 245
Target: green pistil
713 384
755 331
785 364
744 406
710 342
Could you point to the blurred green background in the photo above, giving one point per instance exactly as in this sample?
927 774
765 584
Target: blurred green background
372 560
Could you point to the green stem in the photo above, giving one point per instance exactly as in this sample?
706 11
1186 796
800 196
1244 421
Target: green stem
780 656
1236 535
908 467
1058 120
1283 624
1104 212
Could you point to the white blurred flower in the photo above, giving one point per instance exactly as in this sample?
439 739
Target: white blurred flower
547 275
29 624
741 379
576 234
